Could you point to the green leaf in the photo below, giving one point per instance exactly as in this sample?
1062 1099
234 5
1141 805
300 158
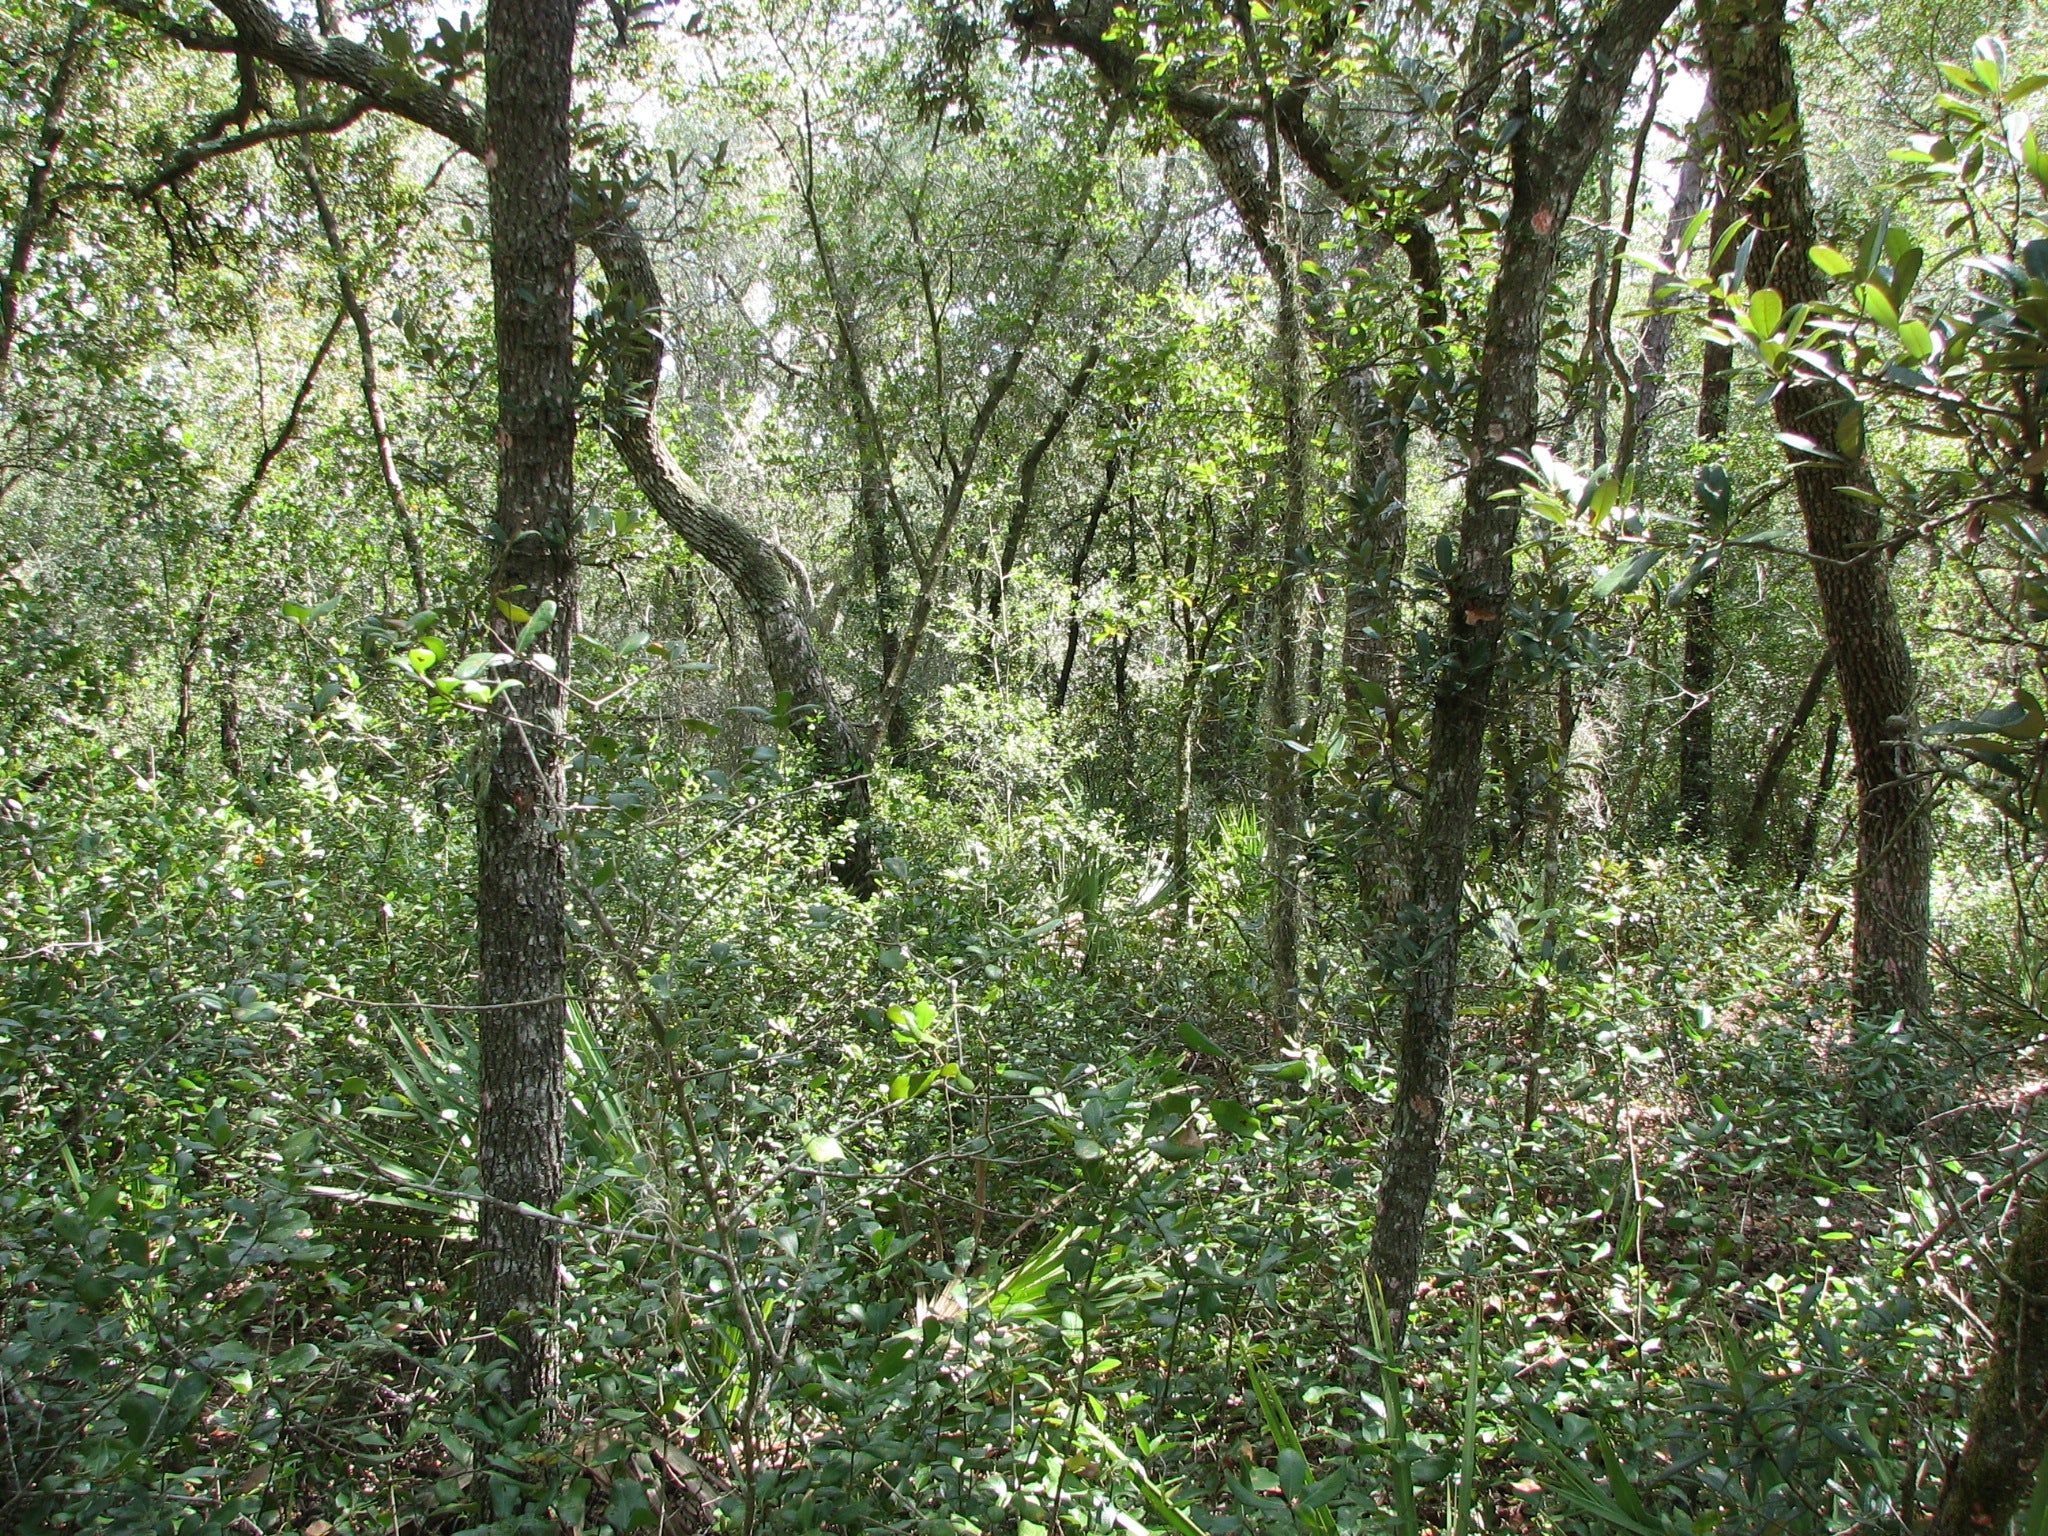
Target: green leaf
1831 261
1232 1118
1292 1470
824 1149
535 626
1766 311
1849 431
298 1358
630 1509
1877 304
1200 1043
1624 579
138 1414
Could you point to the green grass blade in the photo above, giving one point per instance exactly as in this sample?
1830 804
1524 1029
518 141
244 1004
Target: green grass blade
1468 1449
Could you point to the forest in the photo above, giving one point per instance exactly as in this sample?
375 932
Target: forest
1023 766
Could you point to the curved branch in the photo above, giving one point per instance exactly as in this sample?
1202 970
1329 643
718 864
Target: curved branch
754 565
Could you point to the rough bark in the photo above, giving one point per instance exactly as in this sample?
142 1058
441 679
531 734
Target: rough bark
522 803
2009 1422
1750 66
1548 164
752 564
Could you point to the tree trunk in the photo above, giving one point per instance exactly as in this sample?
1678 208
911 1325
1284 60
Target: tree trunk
754 566
1548 166
1027 485
373 396
1554 793
1087 547
1750 835
230 651
1647 380
1750 64
1696 730
1377 536
1285 843
35 201
1809 831
522 862
1984 1488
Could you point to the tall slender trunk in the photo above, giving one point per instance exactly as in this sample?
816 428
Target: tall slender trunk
1376 534
1548 165
1750 66
1081 553
1809 830
1702 637
230 650
1654 347
1696 730
1027 485
522 805
888 601
1285 842
373 395
1553 879
35 202
1749 835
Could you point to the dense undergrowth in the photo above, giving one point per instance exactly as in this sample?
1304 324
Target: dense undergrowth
991 1204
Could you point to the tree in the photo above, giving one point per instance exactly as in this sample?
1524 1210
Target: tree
1750 68
522 803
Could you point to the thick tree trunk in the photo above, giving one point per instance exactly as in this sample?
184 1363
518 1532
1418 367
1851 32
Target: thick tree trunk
1549 163
2001 1458
522 809
1750 63
754 566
